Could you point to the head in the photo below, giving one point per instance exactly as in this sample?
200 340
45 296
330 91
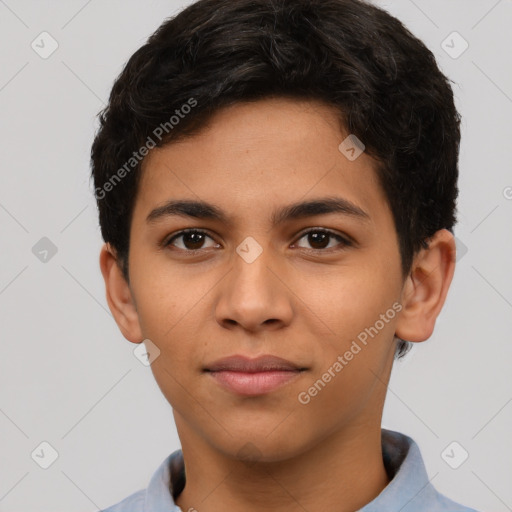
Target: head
245 106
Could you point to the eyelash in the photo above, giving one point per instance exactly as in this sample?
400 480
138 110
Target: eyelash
345 242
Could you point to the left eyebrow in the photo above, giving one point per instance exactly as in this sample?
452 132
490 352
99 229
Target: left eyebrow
321 206
204 210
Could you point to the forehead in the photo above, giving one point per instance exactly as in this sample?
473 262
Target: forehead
252 156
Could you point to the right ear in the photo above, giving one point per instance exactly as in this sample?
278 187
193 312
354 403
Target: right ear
119 296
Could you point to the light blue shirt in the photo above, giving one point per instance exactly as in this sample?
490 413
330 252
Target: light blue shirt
408 491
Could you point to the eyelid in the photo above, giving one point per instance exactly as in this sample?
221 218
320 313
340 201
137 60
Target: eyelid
345 240
167 240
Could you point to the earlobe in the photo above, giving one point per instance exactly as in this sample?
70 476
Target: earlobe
426 288
119 296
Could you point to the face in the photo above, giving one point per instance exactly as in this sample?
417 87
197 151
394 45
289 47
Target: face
318 286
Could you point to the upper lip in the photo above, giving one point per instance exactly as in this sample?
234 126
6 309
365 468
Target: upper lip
263 363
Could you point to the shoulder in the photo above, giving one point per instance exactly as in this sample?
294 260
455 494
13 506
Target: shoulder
167 480
410 488
445 504
133 503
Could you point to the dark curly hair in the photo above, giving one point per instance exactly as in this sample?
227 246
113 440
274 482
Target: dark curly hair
352 55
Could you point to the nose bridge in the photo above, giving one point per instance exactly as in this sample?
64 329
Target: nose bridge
252 294
251 270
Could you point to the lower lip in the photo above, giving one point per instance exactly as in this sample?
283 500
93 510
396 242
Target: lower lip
253 384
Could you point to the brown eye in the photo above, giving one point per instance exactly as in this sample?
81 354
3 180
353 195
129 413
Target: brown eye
319 239
192 240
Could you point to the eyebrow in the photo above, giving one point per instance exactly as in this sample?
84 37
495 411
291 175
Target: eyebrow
204 210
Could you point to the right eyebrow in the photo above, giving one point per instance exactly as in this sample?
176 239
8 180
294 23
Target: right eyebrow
204 210
187 208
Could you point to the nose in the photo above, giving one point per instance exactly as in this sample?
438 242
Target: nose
253 296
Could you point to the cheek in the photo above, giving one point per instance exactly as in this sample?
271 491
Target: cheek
358 311
178 365
347 299
351 371
164 296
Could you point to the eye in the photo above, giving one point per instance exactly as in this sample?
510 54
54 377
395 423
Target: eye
192 240
321 238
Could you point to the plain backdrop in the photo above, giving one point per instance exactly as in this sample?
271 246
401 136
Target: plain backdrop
70 379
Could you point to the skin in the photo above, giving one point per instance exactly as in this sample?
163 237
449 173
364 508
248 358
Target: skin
300 299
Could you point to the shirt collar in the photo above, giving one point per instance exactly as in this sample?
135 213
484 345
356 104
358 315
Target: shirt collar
409 487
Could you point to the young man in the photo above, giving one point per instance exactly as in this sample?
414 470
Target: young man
277 183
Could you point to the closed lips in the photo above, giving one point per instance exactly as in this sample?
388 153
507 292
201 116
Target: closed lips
265 363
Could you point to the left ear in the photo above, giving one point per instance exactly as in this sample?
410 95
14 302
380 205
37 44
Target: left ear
426 287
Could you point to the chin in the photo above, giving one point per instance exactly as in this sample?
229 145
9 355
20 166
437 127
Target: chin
261 445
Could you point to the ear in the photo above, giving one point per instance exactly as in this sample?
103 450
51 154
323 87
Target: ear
119 296
426 287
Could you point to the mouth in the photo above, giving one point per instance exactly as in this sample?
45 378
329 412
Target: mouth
253 377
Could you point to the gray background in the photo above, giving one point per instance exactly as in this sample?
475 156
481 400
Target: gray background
68 377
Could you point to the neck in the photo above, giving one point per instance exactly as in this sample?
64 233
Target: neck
343 472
